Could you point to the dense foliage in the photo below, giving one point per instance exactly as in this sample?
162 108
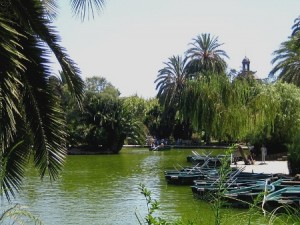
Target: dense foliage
231 107
106 120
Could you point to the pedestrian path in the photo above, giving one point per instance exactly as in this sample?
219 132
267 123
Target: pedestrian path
272 167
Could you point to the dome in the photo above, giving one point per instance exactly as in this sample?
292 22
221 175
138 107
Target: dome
246 60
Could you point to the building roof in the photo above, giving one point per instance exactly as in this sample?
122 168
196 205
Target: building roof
246 60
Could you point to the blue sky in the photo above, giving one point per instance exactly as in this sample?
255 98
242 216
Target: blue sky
130 40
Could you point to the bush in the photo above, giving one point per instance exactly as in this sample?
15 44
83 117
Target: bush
294 155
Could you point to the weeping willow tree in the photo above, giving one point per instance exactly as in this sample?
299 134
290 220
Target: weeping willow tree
205 102
230 111
252 110
287 121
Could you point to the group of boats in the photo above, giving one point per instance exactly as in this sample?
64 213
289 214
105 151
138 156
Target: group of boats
208 179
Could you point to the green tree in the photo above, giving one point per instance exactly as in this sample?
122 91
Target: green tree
107 119
101 118
231 111
31 119
152 119
138 108
108 122
209 94
97 84
286 60
287 117
251 108
182 130
137 105
205 55
171 81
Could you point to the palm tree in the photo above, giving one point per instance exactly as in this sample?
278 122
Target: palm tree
32 120
171 80
205 55
80 8
296 26
287 60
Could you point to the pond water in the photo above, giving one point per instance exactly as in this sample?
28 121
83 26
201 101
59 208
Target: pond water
104 189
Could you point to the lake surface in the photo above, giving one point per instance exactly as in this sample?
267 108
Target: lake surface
104 189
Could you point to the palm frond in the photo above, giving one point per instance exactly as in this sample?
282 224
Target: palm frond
9 45
296 26
287 60
205 55
31 13
18 215
9 106
86 8
42 111
171 80
11 64
51 8
13 164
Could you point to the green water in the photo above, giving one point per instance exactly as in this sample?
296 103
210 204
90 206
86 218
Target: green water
104 189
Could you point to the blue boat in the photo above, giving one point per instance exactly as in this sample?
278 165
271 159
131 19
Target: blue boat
207 190
246 196
283 199
184 178
187 177
235 181
285 182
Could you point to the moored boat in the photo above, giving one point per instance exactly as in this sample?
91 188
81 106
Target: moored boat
210 189
283 199
285 182
237 181
184 178
246 196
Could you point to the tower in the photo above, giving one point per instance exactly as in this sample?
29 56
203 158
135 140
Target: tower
246 64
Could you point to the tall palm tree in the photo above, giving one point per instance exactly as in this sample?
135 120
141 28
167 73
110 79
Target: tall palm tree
287 60
171 80
205 55
31 119
296 26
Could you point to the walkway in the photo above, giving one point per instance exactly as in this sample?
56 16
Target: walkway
272 167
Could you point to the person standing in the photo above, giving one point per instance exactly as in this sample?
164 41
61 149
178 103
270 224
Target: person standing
263 150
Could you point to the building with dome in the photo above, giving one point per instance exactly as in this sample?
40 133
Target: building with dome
246 64
246 72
